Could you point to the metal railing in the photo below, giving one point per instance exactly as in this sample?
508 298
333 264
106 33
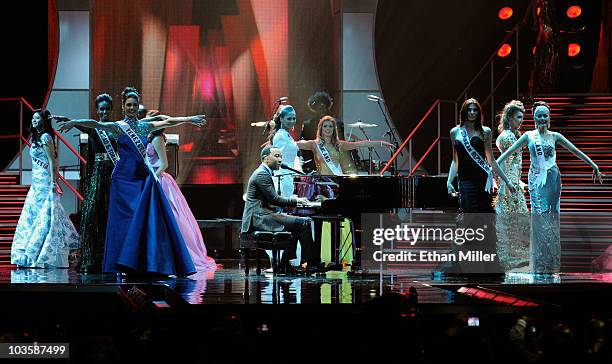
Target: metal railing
23 140
489 99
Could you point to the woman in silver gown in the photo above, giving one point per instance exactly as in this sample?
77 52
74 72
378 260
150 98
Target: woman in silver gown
545 188
512 215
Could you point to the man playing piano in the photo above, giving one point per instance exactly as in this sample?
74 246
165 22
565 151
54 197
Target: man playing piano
260 212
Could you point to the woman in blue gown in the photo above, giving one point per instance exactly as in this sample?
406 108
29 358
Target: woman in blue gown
142 233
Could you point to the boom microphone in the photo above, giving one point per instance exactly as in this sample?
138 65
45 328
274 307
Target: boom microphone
284 166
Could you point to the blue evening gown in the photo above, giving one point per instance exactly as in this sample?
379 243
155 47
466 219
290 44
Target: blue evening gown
142 233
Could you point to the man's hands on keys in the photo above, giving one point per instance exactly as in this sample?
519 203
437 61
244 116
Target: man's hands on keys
302 201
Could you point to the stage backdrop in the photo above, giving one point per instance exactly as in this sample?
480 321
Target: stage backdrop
227 59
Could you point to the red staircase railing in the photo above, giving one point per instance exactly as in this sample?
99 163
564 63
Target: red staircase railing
23 140
494 86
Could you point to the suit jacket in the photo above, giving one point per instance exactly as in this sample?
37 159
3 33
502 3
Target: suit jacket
259 212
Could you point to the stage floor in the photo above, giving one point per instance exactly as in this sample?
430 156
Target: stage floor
230 285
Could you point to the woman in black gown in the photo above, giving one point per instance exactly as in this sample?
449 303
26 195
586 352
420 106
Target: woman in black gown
473 164
474 194
94 211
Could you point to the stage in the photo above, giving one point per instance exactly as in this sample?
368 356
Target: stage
230 286
225 315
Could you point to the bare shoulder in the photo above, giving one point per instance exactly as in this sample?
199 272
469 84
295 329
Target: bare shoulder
453 131
556 134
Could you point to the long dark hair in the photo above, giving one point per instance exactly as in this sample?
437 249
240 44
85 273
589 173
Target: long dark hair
463 114
155 133
44 127
282 111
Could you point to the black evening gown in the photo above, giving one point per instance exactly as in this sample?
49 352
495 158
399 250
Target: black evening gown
94 210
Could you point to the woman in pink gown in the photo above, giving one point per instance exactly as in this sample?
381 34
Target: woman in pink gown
156 152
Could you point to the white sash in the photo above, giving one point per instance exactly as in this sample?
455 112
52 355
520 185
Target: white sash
127 129
540 179
336 170
41 163
108 146
476 157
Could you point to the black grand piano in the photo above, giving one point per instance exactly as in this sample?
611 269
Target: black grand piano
340 197
352 196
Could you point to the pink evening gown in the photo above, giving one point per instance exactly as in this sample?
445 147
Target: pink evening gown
184 217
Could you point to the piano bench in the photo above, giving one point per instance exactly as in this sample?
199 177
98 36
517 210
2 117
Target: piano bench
265 240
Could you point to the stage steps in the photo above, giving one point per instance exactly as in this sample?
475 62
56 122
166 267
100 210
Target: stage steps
12 198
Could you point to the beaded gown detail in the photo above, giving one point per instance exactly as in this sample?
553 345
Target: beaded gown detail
512 214
44 235
94 211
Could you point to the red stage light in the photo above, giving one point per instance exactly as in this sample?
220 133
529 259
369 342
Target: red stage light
504 50
573 49
505 13
574 11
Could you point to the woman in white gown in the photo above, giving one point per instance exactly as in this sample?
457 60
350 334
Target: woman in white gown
545 188
44 235
284 122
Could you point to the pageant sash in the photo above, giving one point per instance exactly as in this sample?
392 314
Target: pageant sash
41 163
108 146
477 158
336 170
540 160
127 129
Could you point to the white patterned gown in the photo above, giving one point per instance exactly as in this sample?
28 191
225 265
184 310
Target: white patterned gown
44 234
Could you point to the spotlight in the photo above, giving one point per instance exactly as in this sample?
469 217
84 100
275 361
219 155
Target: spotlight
574 11
505 13
573 49
504 50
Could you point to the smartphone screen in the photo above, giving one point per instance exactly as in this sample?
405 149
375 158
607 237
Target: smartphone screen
473 321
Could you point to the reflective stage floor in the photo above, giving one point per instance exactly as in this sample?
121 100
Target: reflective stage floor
227 317
230 285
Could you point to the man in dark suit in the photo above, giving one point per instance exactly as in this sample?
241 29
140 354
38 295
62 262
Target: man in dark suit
260 212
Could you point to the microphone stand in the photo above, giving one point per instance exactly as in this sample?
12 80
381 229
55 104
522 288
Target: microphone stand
392 132
278 189
369 151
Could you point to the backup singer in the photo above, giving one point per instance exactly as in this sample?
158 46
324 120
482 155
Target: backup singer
280 137
327 147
